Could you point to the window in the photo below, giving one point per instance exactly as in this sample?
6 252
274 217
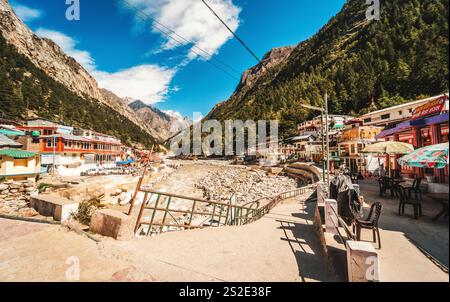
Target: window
367 120
400 112
425 136
410 110
50 142
20 162
385 116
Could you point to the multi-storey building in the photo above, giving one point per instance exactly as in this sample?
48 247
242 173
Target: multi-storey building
353 140
426 125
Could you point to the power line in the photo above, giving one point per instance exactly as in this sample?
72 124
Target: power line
231 31
171 34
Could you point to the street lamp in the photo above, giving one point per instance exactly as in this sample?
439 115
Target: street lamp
323 111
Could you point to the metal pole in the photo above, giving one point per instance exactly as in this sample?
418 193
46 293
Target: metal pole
54 154
328 139
323 146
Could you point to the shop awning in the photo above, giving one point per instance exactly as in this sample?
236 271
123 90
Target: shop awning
438 119
388 132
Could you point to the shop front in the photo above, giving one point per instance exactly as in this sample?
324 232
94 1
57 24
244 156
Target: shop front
428 126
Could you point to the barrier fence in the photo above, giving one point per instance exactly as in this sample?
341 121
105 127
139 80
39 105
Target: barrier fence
197 213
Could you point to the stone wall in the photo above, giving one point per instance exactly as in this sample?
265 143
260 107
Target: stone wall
15 198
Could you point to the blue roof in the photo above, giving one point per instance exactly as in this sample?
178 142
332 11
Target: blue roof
11 132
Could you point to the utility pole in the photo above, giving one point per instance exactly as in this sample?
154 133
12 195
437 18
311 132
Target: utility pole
323 111
323 146
54 154
328 139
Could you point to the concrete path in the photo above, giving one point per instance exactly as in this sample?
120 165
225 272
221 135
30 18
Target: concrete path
282 246
40 252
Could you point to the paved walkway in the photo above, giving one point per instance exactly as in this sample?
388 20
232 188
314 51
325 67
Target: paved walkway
282 246
41 252
403 237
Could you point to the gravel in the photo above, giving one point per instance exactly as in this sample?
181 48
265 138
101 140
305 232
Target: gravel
247 184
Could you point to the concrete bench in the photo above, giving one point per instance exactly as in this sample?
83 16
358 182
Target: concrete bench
54 206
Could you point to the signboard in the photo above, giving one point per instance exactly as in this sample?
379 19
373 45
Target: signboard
430 108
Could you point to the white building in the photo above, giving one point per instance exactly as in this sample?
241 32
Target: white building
394 115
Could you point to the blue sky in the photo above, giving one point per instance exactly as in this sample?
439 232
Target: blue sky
124 50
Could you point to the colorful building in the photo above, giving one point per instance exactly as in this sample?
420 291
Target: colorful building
353 140
43 127
79 153
428 125
19 164
393 115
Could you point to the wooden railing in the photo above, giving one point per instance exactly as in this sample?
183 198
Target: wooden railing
197 213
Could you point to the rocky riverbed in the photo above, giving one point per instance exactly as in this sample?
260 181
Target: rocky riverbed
248 185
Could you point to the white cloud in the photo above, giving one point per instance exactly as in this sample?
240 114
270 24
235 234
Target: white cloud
68 44
25 13
148 83
174 114
192 20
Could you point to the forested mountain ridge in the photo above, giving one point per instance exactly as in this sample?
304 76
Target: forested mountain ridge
403 56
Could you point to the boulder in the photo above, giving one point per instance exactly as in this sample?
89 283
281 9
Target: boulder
125 198
15 185
28 212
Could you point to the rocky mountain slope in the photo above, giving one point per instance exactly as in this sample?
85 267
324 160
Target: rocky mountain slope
403 56
49 57
164 124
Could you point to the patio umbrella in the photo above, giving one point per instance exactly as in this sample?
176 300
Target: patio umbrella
389 147
434 156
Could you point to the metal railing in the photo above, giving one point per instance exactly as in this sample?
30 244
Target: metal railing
197 213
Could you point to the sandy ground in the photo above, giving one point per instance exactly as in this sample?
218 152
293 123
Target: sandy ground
282 246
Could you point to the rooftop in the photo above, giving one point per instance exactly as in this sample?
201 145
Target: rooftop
7 142
402 105
72 137
21 154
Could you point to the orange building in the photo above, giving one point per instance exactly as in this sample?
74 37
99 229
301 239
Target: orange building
353 140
